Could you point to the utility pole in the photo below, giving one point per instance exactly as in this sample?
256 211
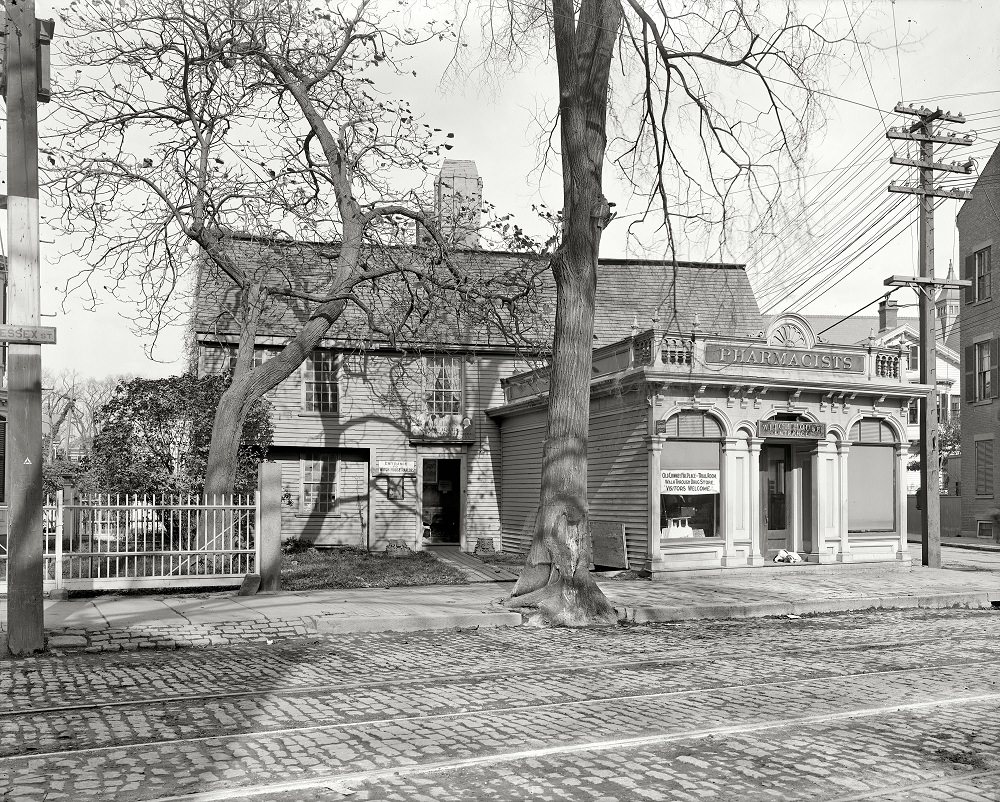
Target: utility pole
26 81
923 132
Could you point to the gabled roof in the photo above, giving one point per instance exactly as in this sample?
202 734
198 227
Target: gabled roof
854 330
715 297
857 329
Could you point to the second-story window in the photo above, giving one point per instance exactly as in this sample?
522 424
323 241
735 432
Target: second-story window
984 387
977 269
983 288
914 361
320 392
443 385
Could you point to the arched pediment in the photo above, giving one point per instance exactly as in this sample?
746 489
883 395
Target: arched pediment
790 331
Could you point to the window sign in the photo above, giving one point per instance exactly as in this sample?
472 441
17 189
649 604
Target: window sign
689 482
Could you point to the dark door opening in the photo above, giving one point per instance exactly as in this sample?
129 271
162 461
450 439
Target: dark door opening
776 497
441 501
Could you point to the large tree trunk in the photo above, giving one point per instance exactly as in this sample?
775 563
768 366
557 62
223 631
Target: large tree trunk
248 387
556 579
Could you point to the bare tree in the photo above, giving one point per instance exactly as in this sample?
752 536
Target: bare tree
708 100
186 122
70 403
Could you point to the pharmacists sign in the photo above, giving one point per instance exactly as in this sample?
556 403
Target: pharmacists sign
689 482
794 358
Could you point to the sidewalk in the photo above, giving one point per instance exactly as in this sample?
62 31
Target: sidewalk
143 622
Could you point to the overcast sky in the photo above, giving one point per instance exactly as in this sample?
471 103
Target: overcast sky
948 55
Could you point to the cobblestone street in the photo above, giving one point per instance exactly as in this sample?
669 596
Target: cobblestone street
886 705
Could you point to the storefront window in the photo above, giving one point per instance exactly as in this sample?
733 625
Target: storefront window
690 477
871 470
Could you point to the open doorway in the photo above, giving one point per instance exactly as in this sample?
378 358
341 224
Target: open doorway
441 501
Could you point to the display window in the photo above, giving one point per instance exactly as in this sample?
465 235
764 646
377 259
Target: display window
691 477
872 480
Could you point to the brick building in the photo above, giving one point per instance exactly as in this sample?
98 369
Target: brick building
979 235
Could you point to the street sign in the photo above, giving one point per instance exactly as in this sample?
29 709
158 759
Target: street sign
27 335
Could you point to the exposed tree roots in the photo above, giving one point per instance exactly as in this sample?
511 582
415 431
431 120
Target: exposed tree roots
569 601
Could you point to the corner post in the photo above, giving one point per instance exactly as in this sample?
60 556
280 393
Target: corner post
755 557
845 556
268 533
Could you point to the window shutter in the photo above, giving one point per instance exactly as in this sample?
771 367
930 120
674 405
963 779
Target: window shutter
984 467
968 270
989 272
3 460
994 367
969 375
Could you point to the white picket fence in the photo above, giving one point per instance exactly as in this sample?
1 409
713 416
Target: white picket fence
114 542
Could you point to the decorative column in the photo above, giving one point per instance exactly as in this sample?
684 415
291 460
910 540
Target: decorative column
903 551
823 460
654 444
732 503
845 556
754 558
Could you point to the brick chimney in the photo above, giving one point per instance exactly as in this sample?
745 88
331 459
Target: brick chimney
887 311
458 192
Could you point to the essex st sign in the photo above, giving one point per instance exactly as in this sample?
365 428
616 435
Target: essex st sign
788 358
27 335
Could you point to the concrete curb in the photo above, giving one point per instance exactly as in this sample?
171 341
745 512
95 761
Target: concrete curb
933 601
156 635
413 623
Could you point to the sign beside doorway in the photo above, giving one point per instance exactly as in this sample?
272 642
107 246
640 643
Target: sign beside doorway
804 430
396 467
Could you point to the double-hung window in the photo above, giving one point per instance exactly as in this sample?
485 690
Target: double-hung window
981 370
982 274
320 392
977 269
443 385
984 388
319 483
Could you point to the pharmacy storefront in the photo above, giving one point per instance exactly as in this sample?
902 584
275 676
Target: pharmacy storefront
723 453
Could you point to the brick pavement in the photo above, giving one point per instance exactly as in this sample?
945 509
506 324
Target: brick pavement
439 702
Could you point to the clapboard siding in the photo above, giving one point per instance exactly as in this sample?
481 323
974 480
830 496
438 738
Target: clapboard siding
617 480
374 391
521 437
618 470
483 390
347 523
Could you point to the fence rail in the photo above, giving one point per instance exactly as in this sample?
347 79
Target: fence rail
107 542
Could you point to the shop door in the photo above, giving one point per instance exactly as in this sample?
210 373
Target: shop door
441 504
776 500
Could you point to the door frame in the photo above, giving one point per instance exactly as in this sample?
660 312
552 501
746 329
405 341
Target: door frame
441 452
791 496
